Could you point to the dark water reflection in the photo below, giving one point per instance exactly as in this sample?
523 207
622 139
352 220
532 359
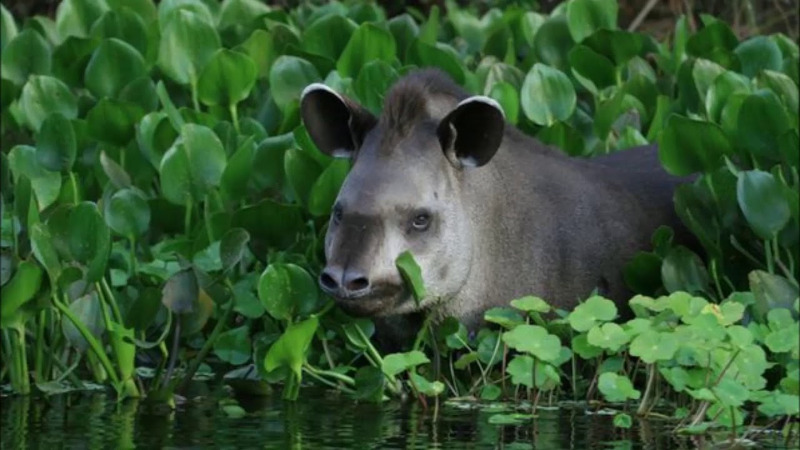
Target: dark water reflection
322 420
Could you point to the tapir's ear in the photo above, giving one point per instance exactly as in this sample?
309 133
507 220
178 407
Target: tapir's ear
471 133
336 124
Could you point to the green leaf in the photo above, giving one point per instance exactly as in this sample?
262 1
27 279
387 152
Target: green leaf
368 43
56 145
302 171
290 349
720 91
622 420
729 392
187 43
325 189
8 28
688 146
25 55
372 83
89 239
652 346
683 270
593 70
75 17
530 304
608 336
757 54
46 184
87 309
553 41
369 384
287 290
770 291
288 77
761 120
643 273
547 95
113 65
181 292
616 388
424 386
437 55
397 363
44 251
234 346
508 318
22 287
584 17
412 275
192 166
534 340
328 36
227 79
232 247
762 202
587 314
44 95
508 98
114 121
127 213
510 419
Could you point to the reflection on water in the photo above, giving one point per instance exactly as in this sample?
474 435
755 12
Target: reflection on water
320 420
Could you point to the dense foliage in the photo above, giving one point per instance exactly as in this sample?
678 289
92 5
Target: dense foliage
162 203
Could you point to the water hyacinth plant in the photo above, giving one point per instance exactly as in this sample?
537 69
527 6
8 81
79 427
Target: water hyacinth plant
163 208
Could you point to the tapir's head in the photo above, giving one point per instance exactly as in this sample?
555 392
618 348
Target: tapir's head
406 189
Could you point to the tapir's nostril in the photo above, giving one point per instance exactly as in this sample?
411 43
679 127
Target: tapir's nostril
328 282
355 282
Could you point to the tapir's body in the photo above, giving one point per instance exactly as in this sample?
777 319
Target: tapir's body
489 213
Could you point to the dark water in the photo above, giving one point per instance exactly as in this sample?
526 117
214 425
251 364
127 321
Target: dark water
321 420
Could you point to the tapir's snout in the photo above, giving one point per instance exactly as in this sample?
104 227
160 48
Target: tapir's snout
349 283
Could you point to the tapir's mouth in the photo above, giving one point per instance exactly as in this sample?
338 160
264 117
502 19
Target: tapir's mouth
379 301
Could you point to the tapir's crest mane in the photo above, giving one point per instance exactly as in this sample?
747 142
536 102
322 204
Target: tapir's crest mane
410 99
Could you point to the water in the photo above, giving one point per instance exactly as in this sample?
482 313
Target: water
320 420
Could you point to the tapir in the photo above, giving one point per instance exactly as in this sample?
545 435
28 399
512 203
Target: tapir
489 213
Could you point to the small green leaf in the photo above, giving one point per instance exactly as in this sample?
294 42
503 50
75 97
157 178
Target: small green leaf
192 166
617 388
127 213
288 77
325 189
530 303
232 247
187 44
43 95
290 349
56 146
19 290
683 270
587 314
505 317
412 275
608 336
369 384
688 146
651 346
286 290
89 239
397 363
757 54
234 346
368 43
622 420
181 292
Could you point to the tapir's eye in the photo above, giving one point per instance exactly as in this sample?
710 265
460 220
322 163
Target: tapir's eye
336 214
421 221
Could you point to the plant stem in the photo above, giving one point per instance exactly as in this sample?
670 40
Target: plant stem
173 354
651 380
75 198
235 117
208 345
112 300
187 218
768 255
39 361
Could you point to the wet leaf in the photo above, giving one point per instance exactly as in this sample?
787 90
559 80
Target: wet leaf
287 290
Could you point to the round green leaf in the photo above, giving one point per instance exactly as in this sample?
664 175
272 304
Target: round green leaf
127 213
44 251
234 346
227 78
75 17
531 304
8 28
288 77
193 165
651 346
43 95
584 17
113 65
547 95
26 54
19 290
592 69
608 335
290 349
368 43
553 42
369 384
761 200
587 314
757 54
508 98
688 146
437 55
720 91
535 340
397 363
616 388
56 146
187 44
286 290
88 310
123 24
372 83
